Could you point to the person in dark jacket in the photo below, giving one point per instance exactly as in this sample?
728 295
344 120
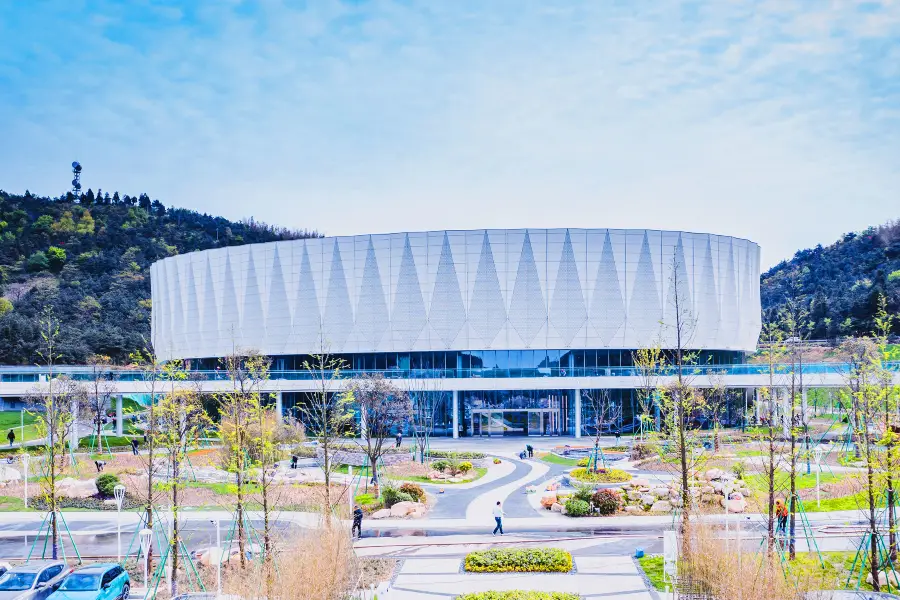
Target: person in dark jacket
357 522
530 450
399 439
11 436
134 446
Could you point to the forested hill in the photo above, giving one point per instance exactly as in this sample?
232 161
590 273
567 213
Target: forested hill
90 262
840 283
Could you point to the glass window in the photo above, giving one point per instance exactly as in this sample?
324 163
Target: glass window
16 582
49 573
80 582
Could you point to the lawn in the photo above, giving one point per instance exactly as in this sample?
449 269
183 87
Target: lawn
760 483
479 473
555 459
11 419
653 568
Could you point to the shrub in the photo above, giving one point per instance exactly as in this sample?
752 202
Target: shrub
583 492
465 467
518 595
583 462
739 469
601 476
617 449
106 484
496 461
456 455
577 508
642 450
522 560
440 465
606 502
414 490
391 496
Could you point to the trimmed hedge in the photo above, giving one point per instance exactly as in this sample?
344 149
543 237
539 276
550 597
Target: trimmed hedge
519 560
577 508
106 484
607 476
519 595
456 455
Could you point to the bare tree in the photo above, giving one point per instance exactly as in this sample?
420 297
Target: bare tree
604 413
385 408
649 363
426 399
328 416
100 393
52 406
716 403
890 394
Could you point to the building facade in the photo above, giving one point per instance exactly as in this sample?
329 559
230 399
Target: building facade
494 304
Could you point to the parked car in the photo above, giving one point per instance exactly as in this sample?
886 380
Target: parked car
32 581
102 581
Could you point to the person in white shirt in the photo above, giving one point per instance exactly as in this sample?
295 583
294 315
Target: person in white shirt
498 516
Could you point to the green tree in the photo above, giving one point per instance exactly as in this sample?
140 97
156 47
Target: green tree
5 306
65 225
43 224
56 258
37 262
85 224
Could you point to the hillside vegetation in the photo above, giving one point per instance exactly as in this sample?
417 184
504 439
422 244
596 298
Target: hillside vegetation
840 283
89 261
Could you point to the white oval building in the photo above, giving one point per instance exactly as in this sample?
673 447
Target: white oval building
517 301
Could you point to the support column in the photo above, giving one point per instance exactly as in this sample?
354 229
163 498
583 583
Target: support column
362 422
578 413
455 414
279 408
119 425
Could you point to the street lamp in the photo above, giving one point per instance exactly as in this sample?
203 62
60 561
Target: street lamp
119 493
818 454
146 535
25 458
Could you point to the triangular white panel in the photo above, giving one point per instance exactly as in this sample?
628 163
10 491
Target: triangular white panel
161 309
178 322
679 309
568 311
371 310
487 314
210 330
448 312
278 315
644 314
230 332
608 304
307 322
252 321
338 319
408 317
527 312
729 329
707 329
192 312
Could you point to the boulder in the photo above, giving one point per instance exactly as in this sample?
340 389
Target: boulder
384 513
639 482
712 474
735 506
883 578
633 495
717 486
419 512
435 475
660 492
661 506
633 509
736 496
708 498
548 501
75 488
557 508
401 509
707 489
676 501
647 499
9 474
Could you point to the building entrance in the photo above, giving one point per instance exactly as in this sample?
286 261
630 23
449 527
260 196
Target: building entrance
489 422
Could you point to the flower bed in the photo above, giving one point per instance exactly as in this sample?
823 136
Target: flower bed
602 476
519 595
519 560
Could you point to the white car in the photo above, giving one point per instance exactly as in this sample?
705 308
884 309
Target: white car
33 581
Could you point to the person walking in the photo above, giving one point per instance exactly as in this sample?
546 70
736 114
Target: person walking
399 439
498 517
11 436
781 512
530 450
357 522
618 435
134 446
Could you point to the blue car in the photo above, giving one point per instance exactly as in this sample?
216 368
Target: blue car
102 581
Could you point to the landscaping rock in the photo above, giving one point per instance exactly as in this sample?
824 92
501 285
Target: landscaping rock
712 474
640 482
660 492
647 499
419 512
384 513
735 506
401 509
708 498
548 501
633 509
661 506
736 496
883 578
557 508
718 486
676 501
633 495
75 488
707 489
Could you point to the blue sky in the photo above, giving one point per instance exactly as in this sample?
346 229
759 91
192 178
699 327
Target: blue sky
777 121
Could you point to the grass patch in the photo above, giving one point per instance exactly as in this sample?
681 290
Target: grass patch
12 504
607 476
555 459
479 473
653 568
519 560
113 441
12 419
760 482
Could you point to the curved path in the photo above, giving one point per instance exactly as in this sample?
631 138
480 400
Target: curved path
453 503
